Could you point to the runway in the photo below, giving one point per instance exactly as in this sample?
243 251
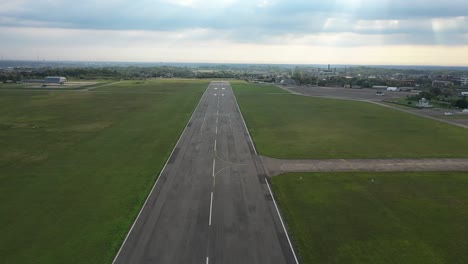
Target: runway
211 203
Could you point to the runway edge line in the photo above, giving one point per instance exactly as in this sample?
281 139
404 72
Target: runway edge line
266 180
159 175
282 222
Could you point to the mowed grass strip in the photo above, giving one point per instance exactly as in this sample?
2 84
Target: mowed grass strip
376 217
156 85
243 87
76 167
293 127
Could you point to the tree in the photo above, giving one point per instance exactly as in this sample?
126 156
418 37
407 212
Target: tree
462 103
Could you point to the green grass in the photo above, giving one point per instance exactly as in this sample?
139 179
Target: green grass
75 167
291 126
376 217
242 87
156 85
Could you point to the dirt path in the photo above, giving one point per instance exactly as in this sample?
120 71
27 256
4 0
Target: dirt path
277 166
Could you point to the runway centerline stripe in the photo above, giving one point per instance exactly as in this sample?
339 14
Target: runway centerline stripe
215 146
214 166
211 209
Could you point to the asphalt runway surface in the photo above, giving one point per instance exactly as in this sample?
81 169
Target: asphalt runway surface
212 202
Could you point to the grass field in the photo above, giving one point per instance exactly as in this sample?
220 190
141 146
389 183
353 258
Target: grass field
241 87
291 126
75 167
156 86
376 217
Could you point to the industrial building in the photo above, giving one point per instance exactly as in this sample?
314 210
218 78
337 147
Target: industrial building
464 81
55 79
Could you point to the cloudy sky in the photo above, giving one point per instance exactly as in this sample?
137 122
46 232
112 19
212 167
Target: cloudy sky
416 32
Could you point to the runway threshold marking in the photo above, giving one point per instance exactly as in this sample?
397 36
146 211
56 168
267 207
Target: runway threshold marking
203 124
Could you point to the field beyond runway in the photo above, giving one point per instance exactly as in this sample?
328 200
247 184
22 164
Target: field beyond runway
76 166
290 126
362 217
382 217
363 94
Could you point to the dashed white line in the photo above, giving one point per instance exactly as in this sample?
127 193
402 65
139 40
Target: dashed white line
282 223
211 208
215 146
217 112
216 130
207 260
214 166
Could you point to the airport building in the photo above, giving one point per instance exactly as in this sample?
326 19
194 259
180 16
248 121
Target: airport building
55 79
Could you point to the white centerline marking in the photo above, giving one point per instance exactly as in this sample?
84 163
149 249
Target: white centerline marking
215 146
216 120
211 207
217 112
216 130
207 260
214 166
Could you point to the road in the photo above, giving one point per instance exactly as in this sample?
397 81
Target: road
211 203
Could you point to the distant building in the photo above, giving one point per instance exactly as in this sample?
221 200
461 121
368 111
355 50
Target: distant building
464 80
34 81
55 79
424 103
407 82
437 83
393 89
379 87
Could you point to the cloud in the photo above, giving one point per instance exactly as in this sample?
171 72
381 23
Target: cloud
252 23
